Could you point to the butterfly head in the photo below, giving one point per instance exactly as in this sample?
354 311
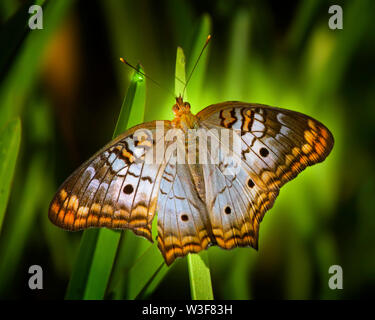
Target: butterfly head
183 118
180 107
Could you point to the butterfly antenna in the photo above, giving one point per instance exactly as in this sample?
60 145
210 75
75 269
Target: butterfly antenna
145 75
196 63
177 78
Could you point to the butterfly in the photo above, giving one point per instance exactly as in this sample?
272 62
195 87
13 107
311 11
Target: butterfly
197 204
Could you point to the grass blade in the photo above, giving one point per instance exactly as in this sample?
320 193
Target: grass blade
180 79
239 50
102 262
345 45
19 227
21 76
10 138
79 277
200 276
99 246
155 281
300 25
132 109
7 9
143 271
199 272
13 32
133 252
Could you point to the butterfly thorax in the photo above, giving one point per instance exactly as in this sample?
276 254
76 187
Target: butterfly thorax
183 118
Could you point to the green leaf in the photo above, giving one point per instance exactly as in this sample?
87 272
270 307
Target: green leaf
238 54
7 9
180 78
79 277
130 248
300 25
200 276
10 138
102 263
144 271
99 246
346 44
18 230
13 32
132 109
155 281
134 251
22 73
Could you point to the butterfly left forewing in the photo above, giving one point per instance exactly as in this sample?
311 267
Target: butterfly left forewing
116 188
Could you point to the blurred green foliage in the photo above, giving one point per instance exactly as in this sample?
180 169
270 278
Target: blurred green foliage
66 84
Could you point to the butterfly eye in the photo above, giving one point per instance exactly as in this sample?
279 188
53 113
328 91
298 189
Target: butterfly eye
176 108
264 152
187 105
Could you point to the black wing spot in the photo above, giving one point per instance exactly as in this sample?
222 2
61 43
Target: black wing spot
228 210
128 189
184 217
264 152
250 183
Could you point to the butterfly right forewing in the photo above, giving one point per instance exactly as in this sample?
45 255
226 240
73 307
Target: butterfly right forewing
234 201
276 145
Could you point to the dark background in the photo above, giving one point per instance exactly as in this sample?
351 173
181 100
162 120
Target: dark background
67 85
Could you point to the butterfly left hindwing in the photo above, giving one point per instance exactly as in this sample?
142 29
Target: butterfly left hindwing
183 222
